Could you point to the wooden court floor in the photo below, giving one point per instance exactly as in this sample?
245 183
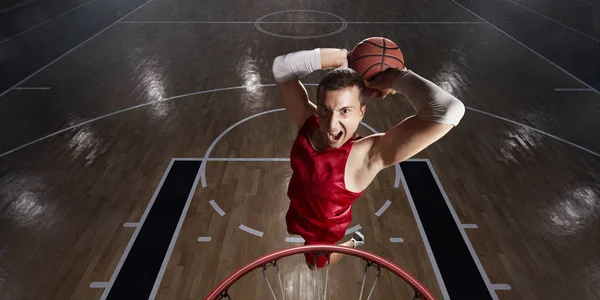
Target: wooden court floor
87 143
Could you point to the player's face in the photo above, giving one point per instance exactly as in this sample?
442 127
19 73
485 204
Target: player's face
340 114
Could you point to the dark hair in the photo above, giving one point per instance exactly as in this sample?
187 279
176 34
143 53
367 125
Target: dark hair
340 78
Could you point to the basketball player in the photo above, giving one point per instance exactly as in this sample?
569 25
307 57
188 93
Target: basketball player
331 164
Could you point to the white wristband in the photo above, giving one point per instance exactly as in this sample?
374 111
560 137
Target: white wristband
296 65
430 101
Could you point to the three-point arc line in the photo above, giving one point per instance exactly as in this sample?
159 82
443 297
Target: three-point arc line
251 230
383 208
220 136
217 207
353 229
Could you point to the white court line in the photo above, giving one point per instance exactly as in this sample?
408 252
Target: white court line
216 207
16 6
204 239
398 172
233 159
187 158
536 130
396 240
463 233
259 22
573 90
526 47
396 183
163 267
369 127
38 25
383 208
469 226
186 22
119 112
131 224
353 229
31 88
117 269
298 22
436 269
397 169
501 287
212 145
552 20
417 23
98 285
251 230
589 3
293 239
417 159
72 49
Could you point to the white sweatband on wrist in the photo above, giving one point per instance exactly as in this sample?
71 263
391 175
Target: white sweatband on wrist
430 101
296 65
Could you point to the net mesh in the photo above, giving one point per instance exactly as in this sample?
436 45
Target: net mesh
288 277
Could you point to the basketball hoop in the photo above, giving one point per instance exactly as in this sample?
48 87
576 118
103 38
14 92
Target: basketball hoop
270 260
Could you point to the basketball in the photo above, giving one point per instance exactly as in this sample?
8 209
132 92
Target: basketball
375 55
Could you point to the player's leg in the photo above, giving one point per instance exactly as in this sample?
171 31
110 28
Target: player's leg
358 239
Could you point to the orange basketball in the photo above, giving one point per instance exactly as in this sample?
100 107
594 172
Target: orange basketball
373 56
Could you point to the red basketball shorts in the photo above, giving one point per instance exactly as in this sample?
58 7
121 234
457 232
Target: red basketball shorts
312 235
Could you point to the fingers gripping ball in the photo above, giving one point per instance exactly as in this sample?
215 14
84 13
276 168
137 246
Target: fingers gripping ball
374 55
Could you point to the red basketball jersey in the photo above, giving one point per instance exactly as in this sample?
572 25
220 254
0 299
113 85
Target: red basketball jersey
317 189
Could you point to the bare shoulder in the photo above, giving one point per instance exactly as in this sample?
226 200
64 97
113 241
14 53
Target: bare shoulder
365 144
360 170
362 152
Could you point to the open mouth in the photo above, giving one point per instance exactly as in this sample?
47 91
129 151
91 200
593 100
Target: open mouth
334 136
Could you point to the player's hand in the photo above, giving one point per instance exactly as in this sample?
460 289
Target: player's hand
333 58
382 84
346 63
345 58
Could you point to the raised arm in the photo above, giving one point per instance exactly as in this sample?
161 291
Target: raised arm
289 68
437 113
